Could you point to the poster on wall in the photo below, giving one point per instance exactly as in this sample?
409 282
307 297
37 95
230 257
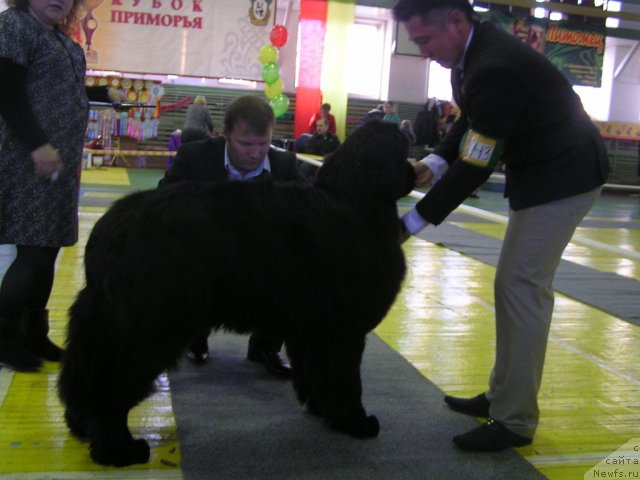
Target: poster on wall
201 38
576 48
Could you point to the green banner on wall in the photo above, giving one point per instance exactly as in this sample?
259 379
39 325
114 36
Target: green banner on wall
576 48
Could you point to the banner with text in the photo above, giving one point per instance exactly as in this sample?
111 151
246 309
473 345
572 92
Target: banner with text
576 48
203 38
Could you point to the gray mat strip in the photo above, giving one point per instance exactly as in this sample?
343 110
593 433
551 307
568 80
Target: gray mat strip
614 294
237 422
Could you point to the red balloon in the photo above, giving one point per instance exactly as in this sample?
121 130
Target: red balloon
278 36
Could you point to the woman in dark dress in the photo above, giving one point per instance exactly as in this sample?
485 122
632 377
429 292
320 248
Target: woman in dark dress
43 116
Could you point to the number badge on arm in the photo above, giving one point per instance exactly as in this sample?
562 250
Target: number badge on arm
480 150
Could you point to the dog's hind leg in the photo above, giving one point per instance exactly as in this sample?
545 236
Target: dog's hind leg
112 443
104 374
333 372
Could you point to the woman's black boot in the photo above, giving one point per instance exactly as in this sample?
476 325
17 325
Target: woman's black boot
37 340
13 352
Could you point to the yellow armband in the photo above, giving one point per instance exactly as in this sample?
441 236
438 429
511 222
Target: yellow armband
480 150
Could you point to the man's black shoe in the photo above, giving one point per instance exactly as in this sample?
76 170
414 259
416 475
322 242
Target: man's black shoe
490 437
272 361
198 352
477 406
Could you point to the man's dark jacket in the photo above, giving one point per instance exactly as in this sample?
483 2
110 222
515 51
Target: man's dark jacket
511 92
203 161
322 144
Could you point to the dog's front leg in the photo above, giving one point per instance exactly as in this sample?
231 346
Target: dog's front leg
112 443
333 372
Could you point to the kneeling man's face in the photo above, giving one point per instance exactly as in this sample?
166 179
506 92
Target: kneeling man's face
247 148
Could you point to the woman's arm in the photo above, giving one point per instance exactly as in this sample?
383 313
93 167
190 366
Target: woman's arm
15 107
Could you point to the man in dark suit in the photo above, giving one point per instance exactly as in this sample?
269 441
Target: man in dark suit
323 141
243 153
515 107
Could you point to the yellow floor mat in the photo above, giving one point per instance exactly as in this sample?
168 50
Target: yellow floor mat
34 440
443 323
106 176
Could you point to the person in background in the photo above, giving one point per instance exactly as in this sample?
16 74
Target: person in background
517 107
324 113
243 153
323 141
407 129
390 114
43 117
376 113
198 124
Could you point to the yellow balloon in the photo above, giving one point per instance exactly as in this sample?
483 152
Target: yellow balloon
268 54
274 89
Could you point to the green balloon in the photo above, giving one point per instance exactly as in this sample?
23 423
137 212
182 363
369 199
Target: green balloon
268 54
270 73
279 105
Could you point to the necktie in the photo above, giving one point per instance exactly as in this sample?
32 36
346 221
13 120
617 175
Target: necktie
456 84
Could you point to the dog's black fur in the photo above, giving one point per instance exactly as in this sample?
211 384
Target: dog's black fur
320 264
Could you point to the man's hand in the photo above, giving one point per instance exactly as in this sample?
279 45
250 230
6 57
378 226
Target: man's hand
46 162
424 175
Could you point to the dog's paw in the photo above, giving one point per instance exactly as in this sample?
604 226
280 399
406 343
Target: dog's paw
372 426
311 408
136 451
364 427
77 425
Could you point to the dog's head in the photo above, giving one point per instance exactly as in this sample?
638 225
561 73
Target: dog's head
370 165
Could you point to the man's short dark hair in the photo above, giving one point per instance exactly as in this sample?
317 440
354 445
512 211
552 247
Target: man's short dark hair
404 10
252 110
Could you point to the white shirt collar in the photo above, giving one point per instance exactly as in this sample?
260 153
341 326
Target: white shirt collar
460 64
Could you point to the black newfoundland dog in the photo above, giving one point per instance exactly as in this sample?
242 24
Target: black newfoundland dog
320 264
